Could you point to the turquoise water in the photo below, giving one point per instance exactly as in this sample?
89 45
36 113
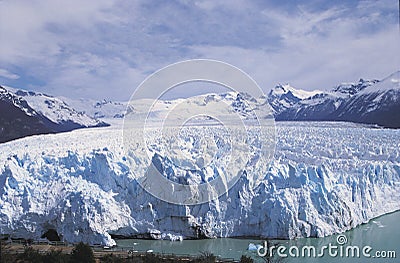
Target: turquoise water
381 234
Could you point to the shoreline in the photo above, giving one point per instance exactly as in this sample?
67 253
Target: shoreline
99 253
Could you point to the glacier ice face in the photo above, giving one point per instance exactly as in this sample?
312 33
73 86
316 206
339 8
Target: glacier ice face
325 178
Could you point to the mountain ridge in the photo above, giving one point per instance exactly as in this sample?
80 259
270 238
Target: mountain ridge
368 101
375 102
25 113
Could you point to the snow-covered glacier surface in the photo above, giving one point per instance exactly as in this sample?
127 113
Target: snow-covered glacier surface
325 178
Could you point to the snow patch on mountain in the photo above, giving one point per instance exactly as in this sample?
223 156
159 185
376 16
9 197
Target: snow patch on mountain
103 109
54 108
354 88
298 93
391 82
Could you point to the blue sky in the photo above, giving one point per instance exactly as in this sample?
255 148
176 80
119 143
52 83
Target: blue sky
105 49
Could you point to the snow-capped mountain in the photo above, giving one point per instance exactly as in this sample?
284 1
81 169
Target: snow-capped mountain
284 97
368 101
25 113
378 103
353 88
107 110
103 109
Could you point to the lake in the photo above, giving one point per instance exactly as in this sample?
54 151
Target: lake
381 234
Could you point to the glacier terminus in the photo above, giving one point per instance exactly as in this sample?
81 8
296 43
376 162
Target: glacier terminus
325 178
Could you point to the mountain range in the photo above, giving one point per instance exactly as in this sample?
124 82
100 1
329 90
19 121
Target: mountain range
25 113
367 101
376 102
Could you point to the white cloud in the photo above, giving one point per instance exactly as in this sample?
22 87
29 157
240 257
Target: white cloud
96 77
236 5
318 50
105 48
7 74
373 5
27 26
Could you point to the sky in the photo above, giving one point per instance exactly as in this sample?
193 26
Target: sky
105 49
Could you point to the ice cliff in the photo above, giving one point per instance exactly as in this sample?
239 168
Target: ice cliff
325 178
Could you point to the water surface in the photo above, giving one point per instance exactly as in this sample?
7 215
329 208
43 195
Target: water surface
382 234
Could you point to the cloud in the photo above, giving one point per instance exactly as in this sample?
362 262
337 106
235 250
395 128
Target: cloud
34 29
7 74
106 48
88 75
318 49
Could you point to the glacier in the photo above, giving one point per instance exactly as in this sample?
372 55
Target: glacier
325 178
